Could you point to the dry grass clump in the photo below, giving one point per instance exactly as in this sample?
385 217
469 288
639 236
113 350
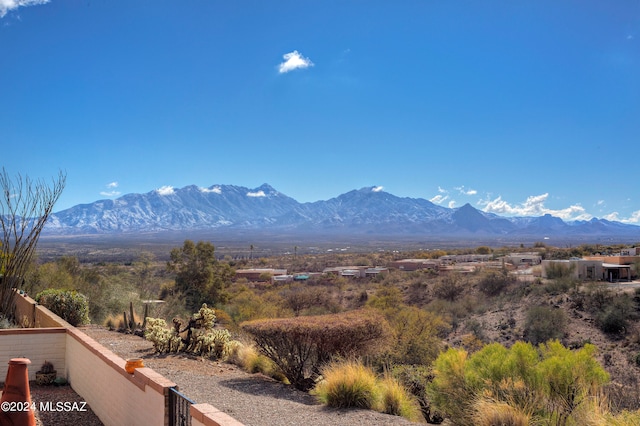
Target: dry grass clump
251 361
396 400
489 412
349 384
114 322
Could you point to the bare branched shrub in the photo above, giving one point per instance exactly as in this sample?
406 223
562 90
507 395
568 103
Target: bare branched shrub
25 206
449 287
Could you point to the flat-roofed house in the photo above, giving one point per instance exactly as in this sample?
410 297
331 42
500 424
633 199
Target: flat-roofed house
259 274
415 264
517 259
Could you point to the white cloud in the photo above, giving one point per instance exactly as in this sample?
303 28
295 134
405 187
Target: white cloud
439 199
215 190
615 217
464 191
165 190
256 194
292 61
635 218
534 206
452 204
442 191
600 202
377 188
112 186
8 5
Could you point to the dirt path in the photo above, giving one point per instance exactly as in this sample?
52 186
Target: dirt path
252 399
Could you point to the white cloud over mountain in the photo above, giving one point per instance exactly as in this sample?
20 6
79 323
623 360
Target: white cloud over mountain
165 190
112 188
633 219
533 206
214 190
438 199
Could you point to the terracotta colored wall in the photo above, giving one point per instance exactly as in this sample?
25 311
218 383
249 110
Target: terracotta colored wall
94 372
208 415
117 397
30 314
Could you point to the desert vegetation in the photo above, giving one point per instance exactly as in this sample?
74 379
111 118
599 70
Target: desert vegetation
474 344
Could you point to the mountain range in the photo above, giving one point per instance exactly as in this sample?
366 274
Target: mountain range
365 212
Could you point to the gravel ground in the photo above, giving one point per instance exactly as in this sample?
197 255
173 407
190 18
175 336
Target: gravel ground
252 399
66 414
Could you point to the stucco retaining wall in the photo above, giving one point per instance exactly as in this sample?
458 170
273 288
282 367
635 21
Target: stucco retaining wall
94 372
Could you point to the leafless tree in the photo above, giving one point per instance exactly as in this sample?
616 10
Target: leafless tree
25 207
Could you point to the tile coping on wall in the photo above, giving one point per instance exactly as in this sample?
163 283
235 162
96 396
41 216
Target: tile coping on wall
206 414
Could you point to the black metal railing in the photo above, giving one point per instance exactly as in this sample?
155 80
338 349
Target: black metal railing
179 405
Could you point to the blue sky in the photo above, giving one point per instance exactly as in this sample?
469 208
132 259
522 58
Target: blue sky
516 107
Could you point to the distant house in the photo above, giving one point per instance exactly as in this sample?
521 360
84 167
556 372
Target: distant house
374 272
346 271
581 269
282 278
592 268
355 271
617 267
633 251
466 258
259 274
518 259
415 264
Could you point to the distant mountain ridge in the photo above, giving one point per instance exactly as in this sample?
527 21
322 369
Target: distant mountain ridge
367 211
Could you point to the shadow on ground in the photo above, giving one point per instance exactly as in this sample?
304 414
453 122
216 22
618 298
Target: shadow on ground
267 387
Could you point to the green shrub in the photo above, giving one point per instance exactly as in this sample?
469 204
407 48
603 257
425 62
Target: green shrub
544 323
69 305
560 285
415 378
612 321
557 270
551 381
492 283
416 334
5 322
616 314
301 346
449 287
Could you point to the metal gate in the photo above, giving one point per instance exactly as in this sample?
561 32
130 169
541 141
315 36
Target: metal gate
179 408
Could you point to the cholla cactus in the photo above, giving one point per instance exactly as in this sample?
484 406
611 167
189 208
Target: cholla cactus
212 343
163 339
206 316
201 336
